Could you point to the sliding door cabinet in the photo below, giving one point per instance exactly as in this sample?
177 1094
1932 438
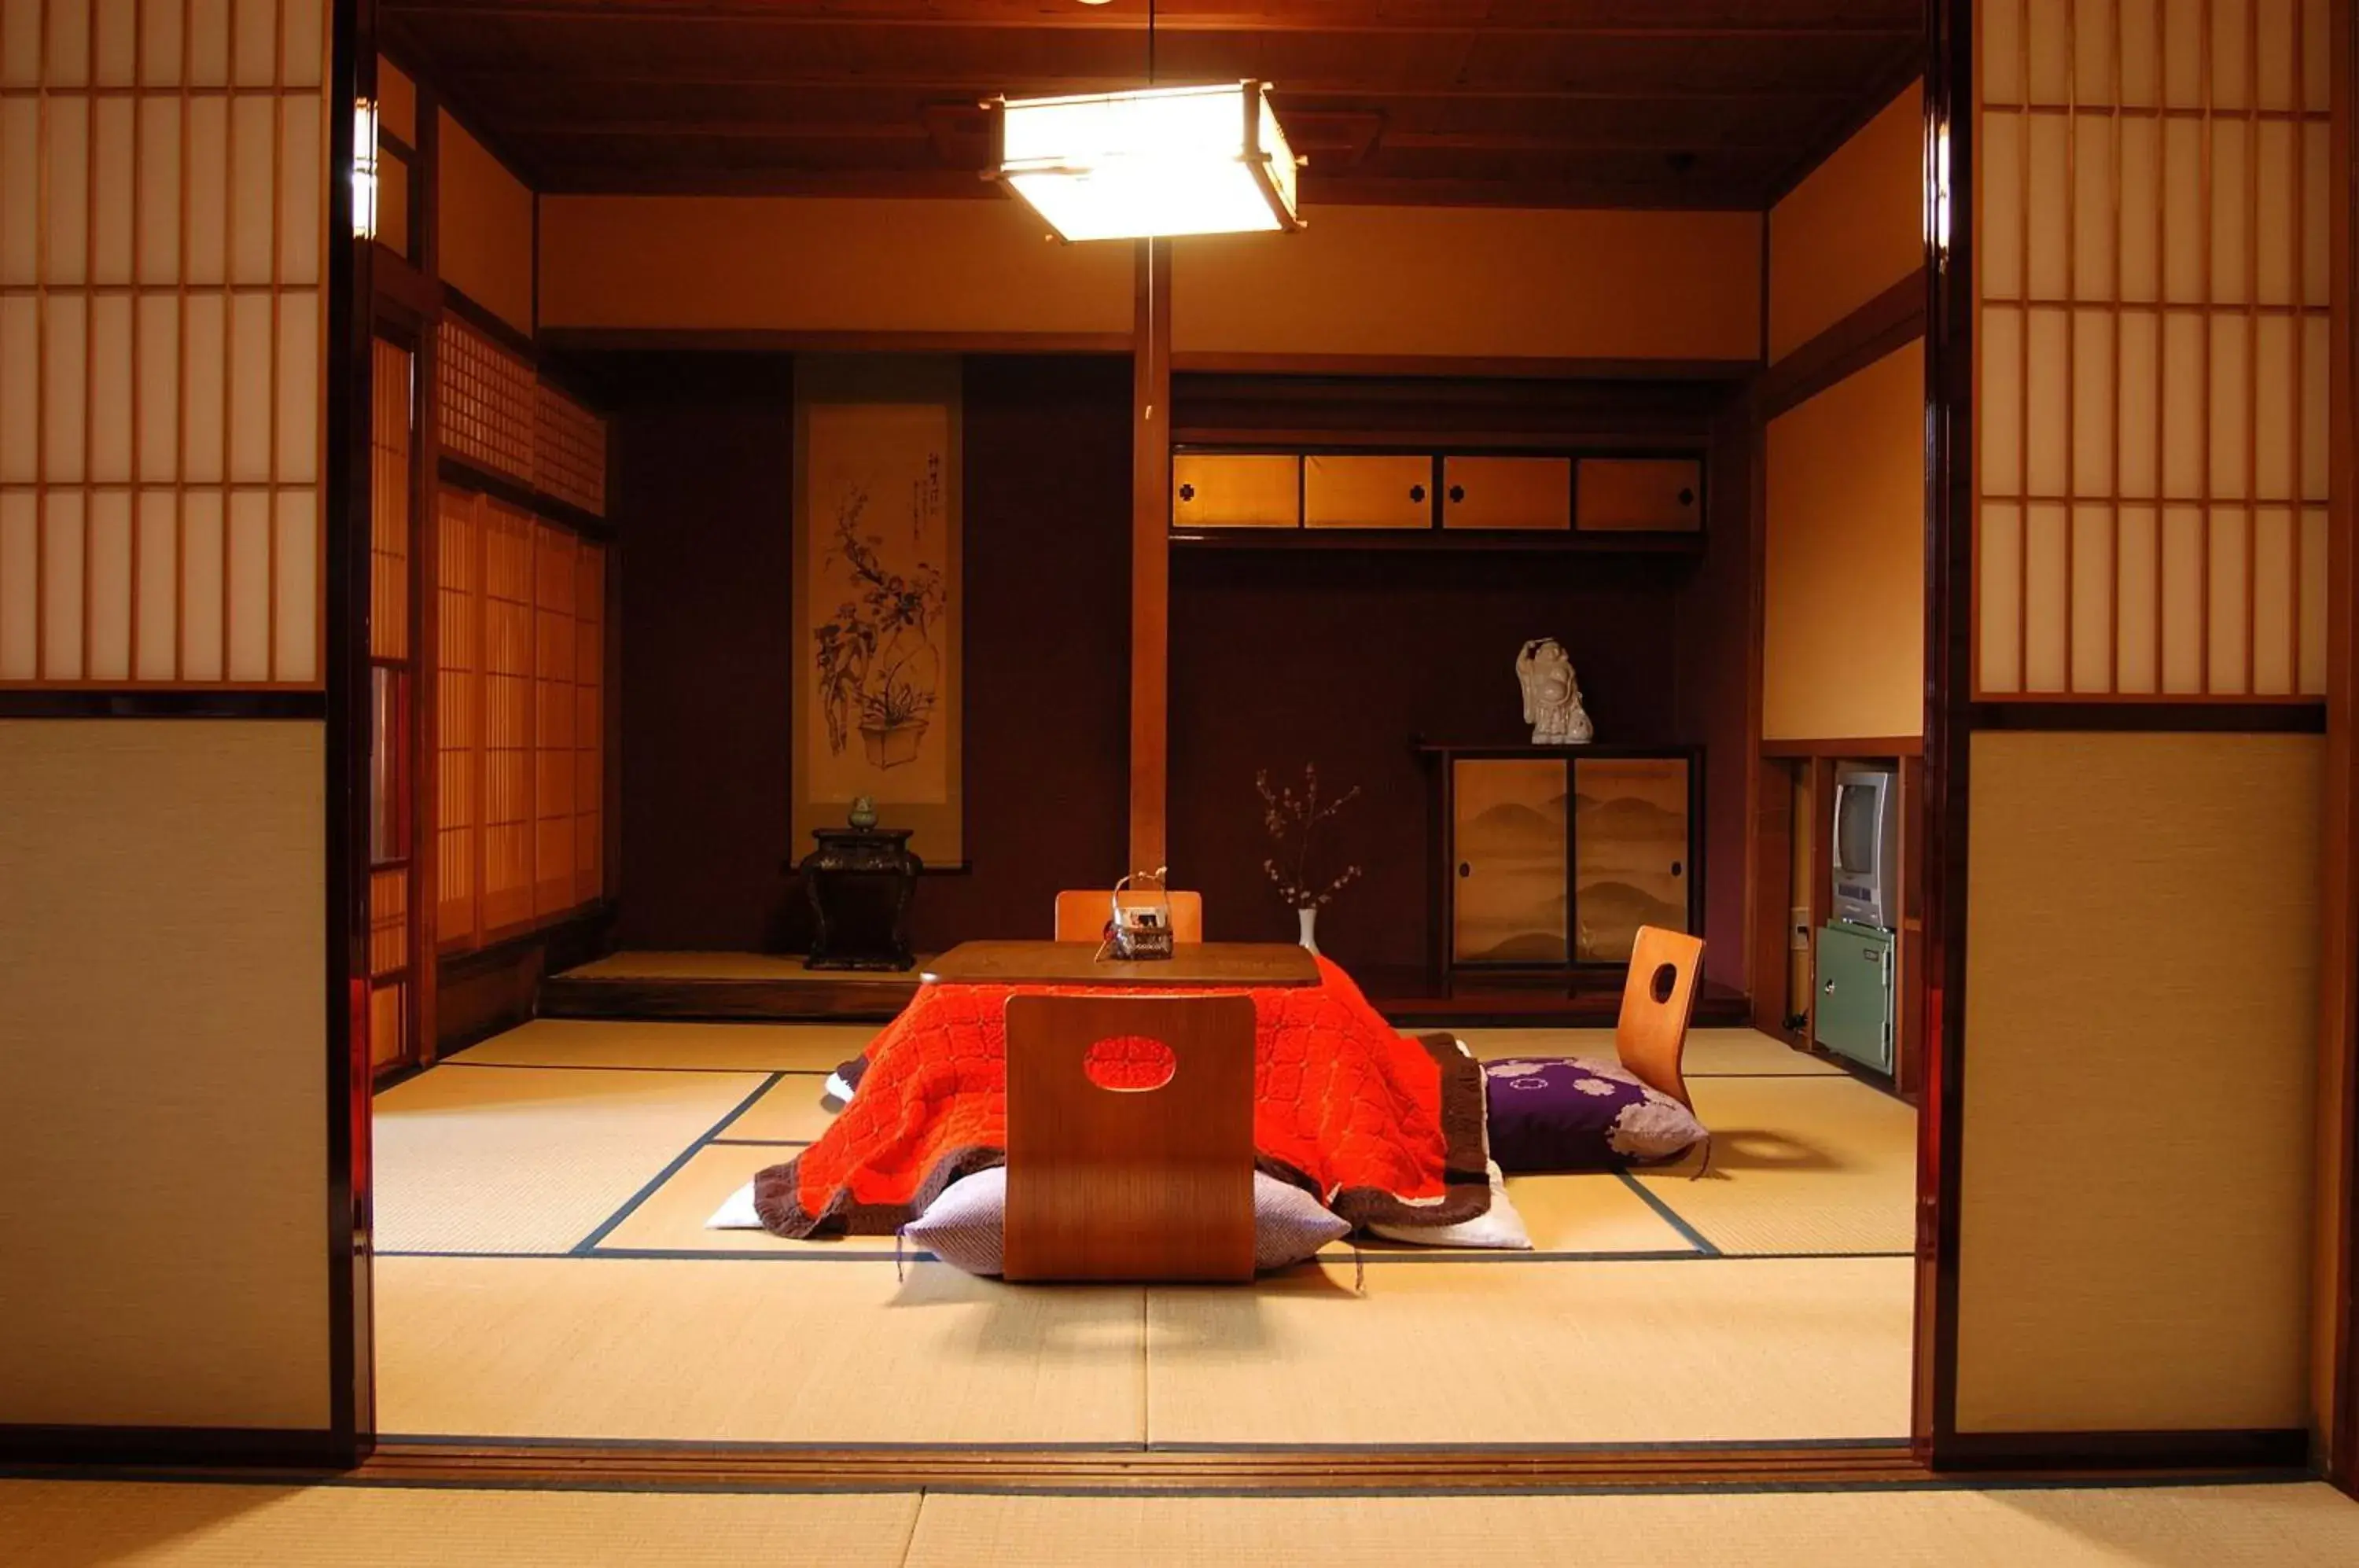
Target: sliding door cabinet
1552 857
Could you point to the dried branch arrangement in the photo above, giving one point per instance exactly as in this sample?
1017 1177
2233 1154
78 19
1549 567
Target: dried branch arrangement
1293 819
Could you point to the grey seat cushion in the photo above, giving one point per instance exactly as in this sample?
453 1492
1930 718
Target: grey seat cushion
966 1225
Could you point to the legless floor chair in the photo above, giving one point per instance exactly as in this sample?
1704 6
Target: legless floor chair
1657 1000
1152 1182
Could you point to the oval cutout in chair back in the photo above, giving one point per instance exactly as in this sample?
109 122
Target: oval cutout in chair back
1659 986
1129 1064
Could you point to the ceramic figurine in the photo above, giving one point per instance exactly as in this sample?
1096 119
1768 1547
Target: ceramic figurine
863 814
1551 695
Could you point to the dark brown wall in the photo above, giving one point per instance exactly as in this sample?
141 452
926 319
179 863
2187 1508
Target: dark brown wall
1047 639
704 503
1277 659
1340 657
1713 690
704 484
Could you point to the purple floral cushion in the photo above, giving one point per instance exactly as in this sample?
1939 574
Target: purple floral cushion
1573 1113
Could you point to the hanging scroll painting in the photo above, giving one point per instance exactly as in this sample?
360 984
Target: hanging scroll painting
877 617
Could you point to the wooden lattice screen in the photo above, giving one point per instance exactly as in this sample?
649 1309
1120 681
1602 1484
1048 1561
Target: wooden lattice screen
519 719
569 452
2152 357
497 417
489 401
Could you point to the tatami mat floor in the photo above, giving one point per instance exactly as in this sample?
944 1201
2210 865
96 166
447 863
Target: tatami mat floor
545 1273
72 1524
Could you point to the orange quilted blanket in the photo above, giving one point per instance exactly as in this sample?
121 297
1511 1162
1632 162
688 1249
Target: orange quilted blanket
1384 1128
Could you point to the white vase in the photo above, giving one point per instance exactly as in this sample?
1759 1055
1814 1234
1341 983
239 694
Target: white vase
1309 919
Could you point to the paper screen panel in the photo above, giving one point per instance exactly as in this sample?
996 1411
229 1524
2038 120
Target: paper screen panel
388 1023
590 725
570 451
458 718
389 523
519 719
507 818
389 921
490 401
555 565
2152 346
162 243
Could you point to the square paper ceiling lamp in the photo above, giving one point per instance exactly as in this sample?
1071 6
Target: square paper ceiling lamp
1158 161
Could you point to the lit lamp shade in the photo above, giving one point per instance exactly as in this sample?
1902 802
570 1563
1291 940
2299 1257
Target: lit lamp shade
1161 160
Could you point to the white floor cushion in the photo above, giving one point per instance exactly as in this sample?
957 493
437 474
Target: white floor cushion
1501 1229
737 1212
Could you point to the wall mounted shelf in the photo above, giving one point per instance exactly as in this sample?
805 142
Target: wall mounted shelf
1444 540
1293 497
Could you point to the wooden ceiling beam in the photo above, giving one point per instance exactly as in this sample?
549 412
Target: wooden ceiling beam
604 176
1308 139
1831 24
1825 139
1675 103
499 75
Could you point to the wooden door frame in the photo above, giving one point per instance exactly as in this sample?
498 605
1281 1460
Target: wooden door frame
1950 720
392 323
2339 851
347 388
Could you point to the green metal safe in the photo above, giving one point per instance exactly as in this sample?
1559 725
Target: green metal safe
1854 1010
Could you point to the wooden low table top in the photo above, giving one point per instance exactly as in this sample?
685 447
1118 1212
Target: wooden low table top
1076 964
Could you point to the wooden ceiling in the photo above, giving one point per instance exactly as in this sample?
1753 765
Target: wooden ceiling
1522 103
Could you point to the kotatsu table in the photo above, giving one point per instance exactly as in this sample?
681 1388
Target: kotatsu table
1135 1185
1206 964
1297 1074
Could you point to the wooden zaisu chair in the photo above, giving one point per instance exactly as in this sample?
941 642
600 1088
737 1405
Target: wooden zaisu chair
1657 1000
1149 1181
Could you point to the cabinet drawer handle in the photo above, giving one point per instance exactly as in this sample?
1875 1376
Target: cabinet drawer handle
1187 492
1458 491
1677 867
1465 869
1687 497
1417 492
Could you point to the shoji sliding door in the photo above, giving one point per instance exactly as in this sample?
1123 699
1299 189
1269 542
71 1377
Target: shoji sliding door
160 327
520 717
2129 966
168 997
2152 256
394 1021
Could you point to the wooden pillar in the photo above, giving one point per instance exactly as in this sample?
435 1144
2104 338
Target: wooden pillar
2335 1349
1150 553
426 592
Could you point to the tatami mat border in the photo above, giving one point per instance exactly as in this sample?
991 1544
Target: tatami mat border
1671 1216
590 1242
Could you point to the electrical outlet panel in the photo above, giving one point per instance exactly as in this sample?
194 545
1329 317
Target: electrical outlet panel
1797 929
